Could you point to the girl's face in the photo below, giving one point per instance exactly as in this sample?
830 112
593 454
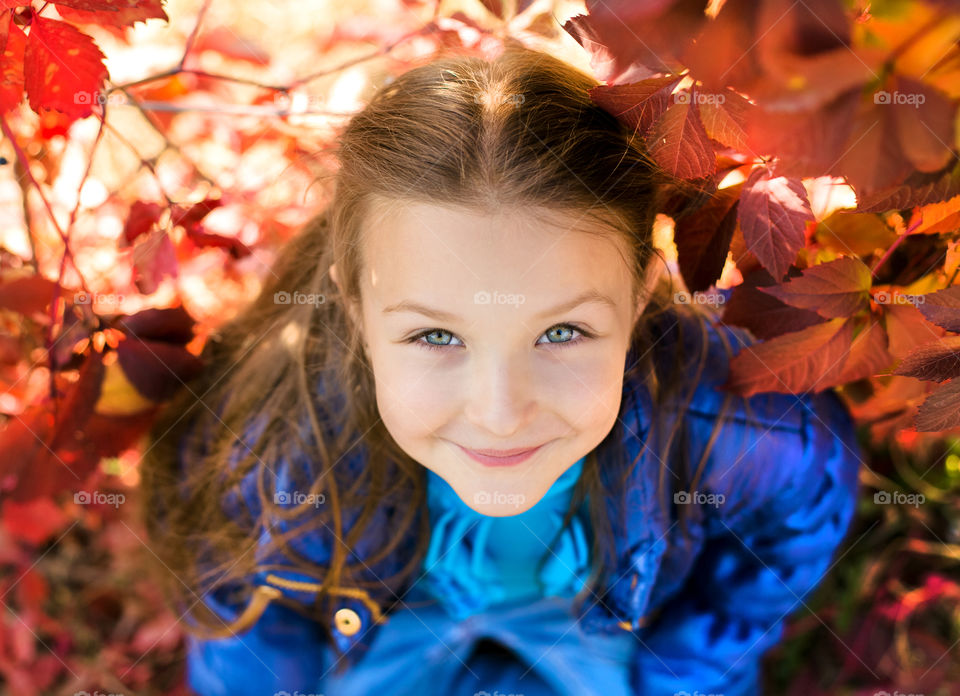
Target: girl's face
494 333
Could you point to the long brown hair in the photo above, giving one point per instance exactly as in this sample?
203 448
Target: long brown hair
520 129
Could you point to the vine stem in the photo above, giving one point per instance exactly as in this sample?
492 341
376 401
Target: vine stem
907 232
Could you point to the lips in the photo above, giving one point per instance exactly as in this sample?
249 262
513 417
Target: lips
503 453
512 456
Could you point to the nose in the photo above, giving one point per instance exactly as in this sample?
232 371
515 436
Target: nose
500 398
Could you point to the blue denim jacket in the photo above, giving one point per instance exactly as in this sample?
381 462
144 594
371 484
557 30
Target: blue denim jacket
704 606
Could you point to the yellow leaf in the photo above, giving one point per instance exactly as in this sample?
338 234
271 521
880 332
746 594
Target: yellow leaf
118 397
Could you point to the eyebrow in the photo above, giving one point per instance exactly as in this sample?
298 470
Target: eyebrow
440 315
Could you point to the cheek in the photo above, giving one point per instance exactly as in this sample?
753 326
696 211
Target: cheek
589 399
412 401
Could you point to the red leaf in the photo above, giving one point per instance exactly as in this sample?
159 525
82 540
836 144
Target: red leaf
195 213
201 238
941 410
942 308
13 42
679 143
809 142
53 123
63 68
703 239
35 521
155 368
32 590
722 54
937 361
90 5
28 295
637 105
607 65
873 159
665 26
723 115
76 407
810 359
837 288
919 188
774 212
154 258
764 315
31 468
168 324
226 42
141 219
115 14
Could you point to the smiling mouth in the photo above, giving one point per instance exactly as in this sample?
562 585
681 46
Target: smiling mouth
502 457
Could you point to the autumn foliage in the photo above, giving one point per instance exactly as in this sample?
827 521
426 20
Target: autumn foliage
141 210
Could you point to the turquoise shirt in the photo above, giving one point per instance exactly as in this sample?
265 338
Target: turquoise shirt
475 561
483 570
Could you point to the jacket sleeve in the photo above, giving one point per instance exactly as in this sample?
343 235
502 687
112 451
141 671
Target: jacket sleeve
283 650
788 476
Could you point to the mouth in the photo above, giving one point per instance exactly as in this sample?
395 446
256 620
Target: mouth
510 457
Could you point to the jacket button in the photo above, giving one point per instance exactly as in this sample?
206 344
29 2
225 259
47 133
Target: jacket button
347 621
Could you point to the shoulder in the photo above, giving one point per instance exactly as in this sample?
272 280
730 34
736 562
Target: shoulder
768 446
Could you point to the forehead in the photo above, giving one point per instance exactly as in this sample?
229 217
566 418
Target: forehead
421 246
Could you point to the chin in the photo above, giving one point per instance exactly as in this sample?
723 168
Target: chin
500 504
500 510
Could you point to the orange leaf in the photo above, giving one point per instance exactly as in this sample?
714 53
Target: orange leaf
907 329
936 218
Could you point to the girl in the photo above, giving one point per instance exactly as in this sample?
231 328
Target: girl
467 440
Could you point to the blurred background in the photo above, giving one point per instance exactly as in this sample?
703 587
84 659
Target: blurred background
213 148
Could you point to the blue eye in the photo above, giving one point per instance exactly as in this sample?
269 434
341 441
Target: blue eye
562 327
